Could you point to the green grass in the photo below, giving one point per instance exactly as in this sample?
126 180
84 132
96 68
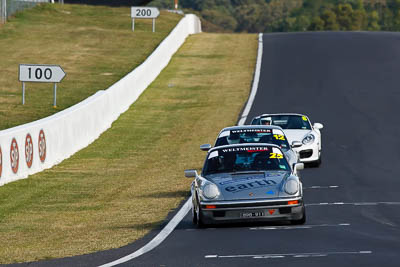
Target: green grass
125 183
94 45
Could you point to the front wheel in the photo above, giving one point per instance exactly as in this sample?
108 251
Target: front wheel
194 214
301 221
316 163
199 217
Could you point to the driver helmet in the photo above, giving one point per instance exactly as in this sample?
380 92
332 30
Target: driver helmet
266 121
233 138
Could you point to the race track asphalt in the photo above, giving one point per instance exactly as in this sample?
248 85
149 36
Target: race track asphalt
349 82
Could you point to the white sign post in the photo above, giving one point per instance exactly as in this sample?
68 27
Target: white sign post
144 13
40 74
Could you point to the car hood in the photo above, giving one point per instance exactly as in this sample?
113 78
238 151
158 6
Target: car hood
251 185
295 134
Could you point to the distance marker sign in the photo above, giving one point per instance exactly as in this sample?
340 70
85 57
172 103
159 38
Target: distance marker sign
41 73
144 12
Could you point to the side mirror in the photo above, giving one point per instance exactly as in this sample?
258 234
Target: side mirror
190 173
205 147
318 126
299 166
296 144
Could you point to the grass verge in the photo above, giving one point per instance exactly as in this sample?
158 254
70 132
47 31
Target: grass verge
125 183
94 45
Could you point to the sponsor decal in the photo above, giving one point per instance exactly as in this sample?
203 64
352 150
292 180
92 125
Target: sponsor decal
239 180
245 179
251 131
14 155
279 137
251 194
304 118
28 150
271 192
1 161
42 146
250 185
275 156
247 149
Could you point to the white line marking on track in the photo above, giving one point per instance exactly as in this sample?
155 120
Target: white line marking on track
255 82
353 203
298 227
158 238
294 255
211 256
321 187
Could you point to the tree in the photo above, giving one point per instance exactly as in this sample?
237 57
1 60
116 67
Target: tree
344 16
218 18
373 21
317 24
329 18
359 20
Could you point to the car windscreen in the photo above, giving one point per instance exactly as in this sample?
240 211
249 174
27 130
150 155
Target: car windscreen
286 121
253 135
245 158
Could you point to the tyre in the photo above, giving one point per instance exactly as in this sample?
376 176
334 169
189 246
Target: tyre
301 221
199 217
316 163
194 214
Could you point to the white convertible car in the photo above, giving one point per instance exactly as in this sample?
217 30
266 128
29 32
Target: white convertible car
304 137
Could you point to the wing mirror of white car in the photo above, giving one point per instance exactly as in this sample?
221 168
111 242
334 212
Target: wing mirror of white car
205 147
299 166
190 173
296 144
318 126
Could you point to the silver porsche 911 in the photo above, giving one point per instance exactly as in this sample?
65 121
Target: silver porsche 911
247 182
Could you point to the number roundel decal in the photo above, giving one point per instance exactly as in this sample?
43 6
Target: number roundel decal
14 155
28 150
1 161
42 146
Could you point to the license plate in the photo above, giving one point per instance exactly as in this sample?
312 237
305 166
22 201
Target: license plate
252 214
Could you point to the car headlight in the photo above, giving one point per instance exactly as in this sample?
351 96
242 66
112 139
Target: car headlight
210 191
291 186
309 139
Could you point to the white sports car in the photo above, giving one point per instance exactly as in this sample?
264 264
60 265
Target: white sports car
304 137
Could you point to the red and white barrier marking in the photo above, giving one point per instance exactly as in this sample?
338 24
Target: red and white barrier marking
42 146
14 155
28 150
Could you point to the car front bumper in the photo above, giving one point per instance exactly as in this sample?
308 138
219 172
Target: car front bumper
308 153
243 210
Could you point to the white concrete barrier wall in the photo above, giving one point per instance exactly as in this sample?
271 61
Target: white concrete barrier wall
42 144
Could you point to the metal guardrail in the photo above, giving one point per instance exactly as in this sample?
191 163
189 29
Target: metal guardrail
10 7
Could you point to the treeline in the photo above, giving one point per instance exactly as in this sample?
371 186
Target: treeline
293 15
